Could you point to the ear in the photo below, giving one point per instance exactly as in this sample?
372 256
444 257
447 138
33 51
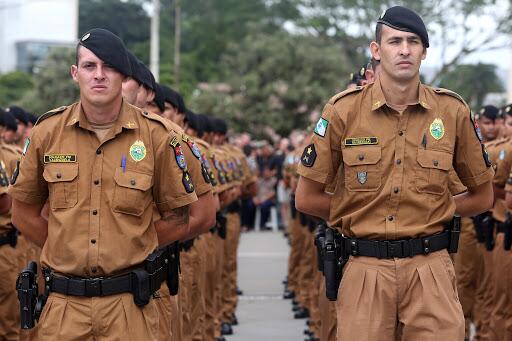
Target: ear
375 50
74 73
424 55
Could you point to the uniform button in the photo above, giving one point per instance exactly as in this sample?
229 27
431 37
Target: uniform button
58 175
96 182
132 182
98 151
93 241
401 133
436 163
94 212
360 157
390 218
398 161
94 269
396 189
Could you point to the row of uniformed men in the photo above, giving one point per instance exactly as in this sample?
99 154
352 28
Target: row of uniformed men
483 264
214 170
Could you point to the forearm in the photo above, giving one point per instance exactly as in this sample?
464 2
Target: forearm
474 201
173 226
30 222
5 203
310 198
499 192
202 215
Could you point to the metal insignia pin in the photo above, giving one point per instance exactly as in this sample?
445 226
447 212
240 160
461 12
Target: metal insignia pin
362 177
84 38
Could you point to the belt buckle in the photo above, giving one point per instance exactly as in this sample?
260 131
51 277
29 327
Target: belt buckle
92 287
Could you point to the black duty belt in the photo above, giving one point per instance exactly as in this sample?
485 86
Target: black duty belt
9 238
397 248
187 245
501 227
90 287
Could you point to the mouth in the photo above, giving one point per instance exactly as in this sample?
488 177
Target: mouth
404 63
99 87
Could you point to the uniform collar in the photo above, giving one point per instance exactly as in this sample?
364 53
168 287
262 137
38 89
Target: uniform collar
126 118
378 99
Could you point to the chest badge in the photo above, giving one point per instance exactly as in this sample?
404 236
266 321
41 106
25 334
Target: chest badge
437 129
138 151
362 177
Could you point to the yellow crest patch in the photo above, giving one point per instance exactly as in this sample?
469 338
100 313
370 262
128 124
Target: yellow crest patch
437 129
138 151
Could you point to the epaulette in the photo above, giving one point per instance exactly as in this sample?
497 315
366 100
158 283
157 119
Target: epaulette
11 148
501 141
175 138
50 114
155 117
451 93
342 94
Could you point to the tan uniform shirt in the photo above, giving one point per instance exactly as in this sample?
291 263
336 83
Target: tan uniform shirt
498 154
100 194
394 167
9 156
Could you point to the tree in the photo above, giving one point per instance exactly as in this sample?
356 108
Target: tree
473 82
53 85
13 86
276 79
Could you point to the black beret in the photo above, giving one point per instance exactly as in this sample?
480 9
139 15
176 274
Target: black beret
18 113
403 19
195 122
109 48
148 80
356 78
219 126
159 97
9 122
171 96
206 123
489 111
32 118
134 65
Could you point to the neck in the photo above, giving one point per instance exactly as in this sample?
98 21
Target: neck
102 115
400 93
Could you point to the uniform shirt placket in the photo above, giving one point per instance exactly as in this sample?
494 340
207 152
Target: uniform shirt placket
94 225
397 177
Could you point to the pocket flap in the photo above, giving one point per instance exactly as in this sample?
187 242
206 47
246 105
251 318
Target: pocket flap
434 159
366 155
58 172
132 179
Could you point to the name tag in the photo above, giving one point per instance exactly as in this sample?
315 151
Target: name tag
361 141
59 158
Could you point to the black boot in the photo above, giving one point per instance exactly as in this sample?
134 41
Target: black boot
296 308
234 320
221 338
225 329
288 294
239 292
301 314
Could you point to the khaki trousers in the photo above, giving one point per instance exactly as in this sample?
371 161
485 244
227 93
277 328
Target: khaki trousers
217 283
294 256
229 271
502 311
109 318
210 294
9 306
167 314
189 265
327 315
304 275
417 295
484 296
468 270
198 304
314 286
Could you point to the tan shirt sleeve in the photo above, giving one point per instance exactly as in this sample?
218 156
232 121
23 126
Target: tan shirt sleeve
471 161
321 158
454 184
28 184
503 168
169 190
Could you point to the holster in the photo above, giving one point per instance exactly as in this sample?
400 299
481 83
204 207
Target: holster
454 228
221 225
334 260
173 270
140 287
508 233
484 226
303 219
320 245
292 207
26 286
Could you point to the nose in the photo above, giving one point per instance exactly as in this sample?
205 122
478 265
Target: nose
405 49
99 74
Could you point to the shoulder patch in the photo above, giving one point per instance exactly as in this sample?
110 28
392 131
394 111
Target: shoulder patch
308 156
342 94
50 114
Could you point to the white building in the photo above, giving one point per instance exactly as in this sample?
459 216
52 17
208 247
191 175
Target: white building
29 28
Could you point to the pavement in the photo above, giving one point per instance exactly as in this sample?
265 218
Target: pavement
262 313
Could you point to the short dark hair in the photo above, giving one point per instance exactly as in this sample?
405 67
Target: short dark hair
378 32
78 46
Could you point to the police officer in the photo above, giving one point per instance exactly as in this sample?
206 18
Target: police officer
100 163
391 201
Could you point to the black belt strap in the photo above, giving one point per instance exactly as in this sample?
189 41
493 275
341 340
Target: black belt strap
396 248
91 287
10 237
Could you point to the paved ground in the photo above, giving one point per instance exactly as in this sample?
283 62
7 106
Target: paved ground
262 313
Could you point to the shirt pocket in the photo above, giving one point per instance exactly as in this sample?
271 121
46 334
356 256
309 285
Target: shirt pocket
363 169
432 171
62 184
132 193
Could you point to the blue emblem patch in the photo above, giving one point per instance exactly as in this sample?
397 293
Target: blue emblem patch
180 158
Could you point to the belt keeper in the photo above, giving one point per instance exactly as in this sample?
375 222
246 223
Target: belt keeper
353 247
426 246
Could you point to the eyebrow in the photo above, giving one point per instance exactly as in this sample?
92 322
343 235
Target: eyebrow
409 37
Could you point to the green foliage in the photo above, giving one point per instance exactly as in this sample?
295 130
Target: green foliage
12 87
473 82
53 85
276 80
